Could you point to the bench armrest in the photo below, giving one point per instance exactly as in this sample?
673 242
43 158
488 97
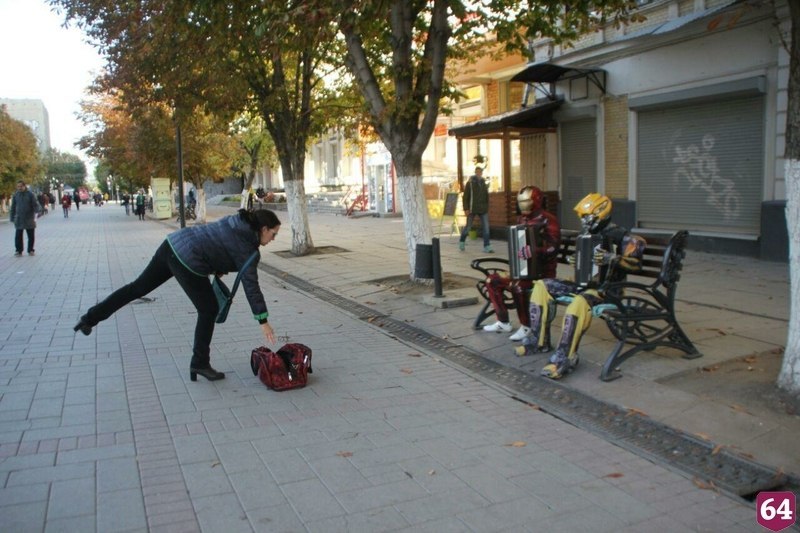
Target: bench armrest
489 265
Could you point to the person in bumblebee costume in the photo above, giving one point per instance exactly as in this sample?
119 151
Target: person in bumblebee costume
529 201
619 254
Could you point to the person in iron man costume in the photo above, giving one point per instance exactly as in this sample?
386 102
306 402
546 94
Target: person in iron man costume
529 201
619 254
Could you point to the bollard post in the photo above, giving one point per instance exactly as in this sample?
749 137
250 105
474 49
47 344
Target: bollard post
437 269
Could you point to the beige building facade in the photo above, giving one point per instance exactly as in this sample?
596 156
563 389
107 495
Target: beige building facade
679 119
34 114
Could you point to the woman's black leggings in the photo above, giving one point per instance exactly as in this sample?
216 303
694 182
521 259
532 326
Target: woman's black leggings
163 266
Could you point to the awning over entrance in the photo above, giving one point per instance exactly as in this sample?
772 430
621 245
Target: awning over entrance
506 128
540 74
512 124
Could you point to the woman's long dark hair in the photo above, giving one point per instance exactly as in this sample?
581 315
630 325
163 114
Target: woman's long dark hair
259 218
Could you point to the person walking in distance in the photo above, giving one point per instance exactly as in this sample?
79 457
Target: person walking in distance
140 204
191 255
24 210
476 204
66 203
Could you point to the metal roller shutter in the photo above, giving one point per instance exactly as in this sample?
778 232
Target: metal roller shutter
578 167
701 166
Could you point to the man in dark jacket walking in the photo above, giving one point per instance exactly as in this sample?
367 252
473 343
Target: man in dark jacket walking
476 204
24 208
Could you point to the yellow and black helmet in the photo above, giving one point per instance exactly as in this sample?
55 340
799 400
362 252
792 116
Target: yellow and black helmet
594 211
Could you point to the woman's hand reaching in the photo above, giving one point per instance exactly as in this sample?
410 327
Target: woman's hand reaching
268 333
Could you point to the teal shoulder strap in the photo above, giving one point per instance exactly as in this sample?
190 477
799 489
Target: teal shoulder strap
245 266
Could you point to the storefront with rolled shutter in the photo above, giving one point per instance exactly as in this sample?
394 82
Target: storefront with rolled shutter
701 160
578 142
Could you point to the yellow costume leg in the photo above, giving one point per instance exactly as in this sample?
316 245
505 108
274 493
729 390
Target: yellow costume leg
577 319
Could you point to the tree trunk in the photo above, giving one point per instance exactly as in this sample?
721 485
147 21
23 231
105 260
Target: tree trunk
416 221
201 206
251 176
789 376
298 217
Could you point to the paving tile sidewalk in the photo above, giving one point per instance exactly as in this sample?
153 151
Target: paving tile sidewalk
731 307
107 433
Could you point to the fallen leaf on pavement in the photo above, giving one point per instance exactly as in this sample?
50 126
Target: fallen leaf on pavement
739 408
615 475
702 436
406 371
632 411
717 449
517 444
415 355
344 454
709 368
703 485
431 472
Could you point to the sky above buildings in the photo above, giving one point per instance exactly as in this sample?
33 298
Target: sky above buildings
40 59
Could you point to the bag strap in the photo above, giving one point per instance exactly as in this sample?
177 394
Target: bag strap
241 271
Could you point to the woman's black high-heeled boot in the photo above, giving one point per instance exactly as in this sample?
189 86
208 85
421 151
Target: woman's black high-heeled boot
83 326
205 370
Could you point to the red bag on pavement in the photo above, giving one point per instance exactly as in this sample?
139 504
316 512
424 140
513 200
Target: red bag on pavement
288 368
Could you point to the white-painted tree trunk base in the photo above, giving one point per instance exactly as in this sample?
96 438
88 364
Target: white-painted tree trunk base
789 376
297 209
201 206
417 221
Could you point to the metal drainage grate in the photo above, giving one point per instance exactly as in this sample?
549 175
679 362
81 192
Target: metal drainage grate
643 436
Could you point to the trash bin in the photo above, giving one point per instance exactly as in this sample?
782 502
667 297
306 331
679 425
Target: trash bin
423 267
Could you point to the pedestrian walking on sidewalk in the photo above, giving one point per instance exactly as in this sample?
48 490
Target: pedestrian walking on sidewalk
126 203
191 255
66 203
24 209
476 204
140 205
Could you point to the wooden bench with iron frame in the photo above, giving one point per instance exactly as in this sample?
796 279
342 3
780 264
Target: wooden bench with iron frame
639 311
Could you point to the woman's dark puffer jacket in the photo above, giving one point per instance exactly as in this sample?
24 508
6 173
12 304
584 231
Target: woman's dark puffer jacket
222 246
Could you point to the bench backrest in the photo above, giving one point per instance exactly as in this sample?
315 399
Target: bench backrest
672 260
662 260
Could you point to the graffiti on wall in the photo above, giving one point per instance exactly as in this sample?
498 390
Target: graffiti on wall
697 166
